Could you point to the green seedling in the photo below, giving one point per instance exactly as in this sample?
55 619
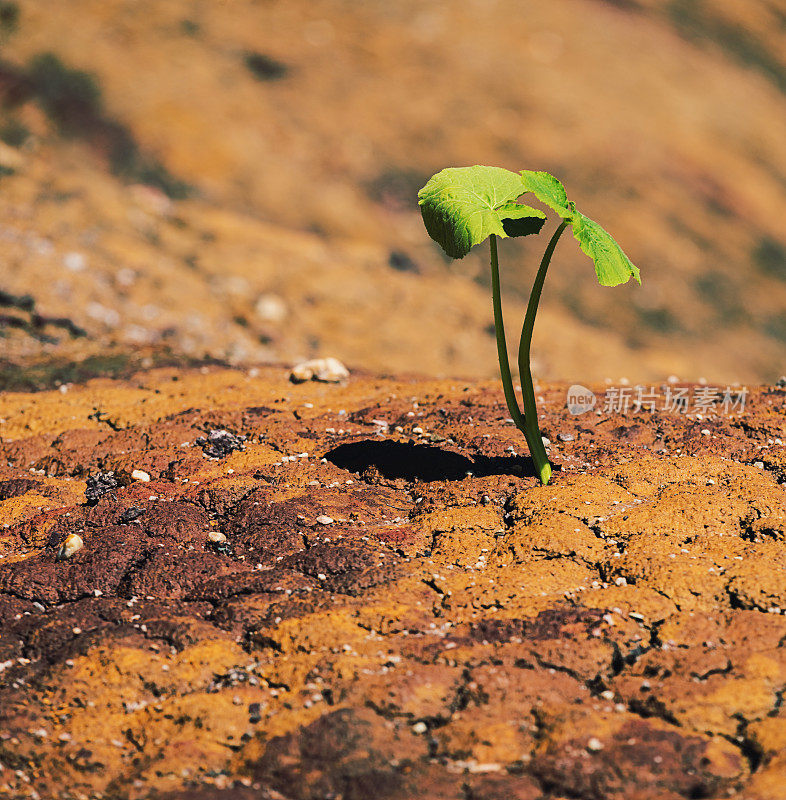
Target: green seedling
464 206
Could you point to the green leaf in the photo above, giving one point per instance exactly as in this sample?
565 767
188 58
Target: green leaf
463 206
547 189
612 266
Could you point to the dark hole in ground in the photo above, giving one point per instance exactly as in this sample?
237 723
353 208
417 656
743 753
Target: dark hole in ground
420 462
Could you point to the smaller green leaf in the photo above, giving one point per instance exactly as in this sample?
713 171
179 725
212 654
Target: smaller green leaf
463 206
612 266
547 189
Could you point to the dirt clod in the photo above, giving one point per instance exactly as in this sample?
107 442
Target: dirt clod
98 485
220 443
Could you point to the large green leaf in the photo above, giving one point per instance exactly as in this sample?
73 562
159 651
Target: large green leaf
612 266
547 189
463 206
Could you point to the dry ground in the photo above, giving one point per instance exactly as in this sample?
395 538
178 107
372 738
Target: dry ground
398 610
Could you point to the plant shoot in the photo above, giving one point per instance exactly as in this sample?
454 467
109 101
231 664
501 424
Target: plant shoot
464 206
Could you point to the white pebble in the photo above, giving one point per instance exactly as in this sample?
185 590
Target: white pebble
327 370
73 544
140 475
594 744
324 519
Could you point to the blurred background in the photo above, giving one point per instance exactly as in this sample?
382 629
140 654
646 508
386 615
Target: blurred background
184 180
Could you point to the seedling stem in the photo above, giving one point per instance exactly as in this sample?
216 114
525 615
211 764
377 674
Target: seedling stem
532 431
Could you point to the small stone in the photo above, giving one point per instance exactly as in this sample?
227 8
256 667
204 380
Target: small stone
327 370
546 442
324 519
140 475
565 437
594 744
218 542
73 544
419 727
758 464
706 432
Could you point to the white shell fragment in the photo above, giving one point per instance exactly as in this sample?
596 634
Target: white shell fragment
327 370
140 475
73 544
216 537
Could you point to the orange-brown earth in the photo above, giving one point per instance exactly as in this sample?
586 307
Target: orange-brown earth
398 610
300 130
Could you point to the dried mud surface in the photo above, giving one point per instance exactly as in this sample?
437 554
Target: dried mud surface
398 609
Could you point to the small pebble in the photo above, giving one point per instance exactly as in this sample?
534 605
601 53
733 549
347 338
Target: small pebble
73 544
326 370
419 727
594 744
140 475
566 437
323 519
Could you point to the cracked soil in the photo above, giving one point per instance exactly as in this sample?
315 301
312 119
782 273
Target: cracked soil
372 597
